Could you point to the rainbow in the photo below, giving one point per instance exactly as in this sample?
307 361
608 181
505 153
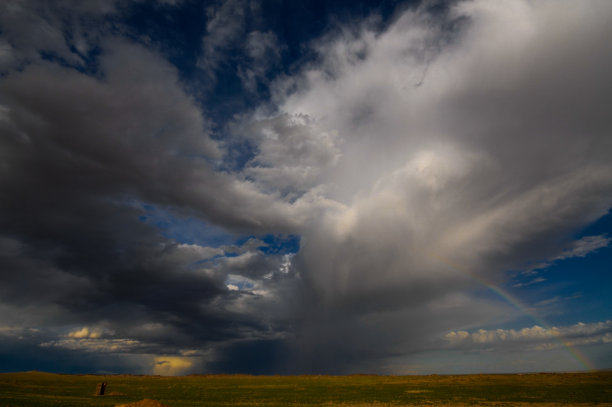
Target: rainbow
510 299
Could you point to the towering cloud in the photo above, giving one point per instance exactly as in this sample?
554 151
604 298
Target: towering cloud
472 142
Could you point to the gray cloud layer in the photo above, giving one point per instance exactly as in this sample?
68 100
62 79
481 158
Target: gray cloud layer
446 146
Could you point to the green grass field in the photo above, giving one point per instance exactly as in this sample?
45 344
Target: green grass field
43 389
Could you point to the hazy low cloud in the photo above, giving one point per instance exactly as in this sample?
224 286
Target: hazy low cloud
578 334
96 345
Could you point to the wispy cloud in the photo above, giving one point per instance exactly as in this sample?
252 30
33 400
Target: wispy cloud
557 298
584 246
530 282
578 248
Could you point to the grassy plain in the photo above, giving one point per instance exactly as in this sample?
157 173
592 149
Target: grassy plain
542 390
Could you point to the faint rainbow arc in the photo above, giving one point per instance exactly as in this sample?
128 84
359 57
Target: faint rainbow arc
509 298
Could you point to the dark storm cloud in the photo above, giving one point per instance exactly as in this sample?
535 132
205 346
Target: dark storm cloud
66 30
255 357
78 156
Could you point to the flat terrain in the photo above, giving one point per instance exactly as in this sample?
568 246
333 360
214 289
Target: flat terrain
542 390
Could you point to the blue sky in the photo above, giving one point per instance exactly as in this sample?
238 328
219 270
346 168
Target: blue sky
272 187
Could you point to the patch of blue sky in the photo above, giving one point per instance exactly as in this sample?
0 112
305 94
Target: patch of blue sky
602 226
238 283
165 26
221 95
580 286
185 229
190 230
85 62
294 25
275 244
238 154
281 244
573 289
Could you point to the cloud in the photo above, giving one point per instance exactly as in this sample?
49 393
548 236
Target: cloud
33 28
584 246
291 153
454 160
86 154
264 51
96 345
557 298
172 365
578 248
224 27
531 282
237 42
85 332
536 336
16 330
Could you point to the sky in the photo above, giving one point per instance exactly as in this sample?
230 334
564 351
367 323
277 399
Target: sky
313 187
